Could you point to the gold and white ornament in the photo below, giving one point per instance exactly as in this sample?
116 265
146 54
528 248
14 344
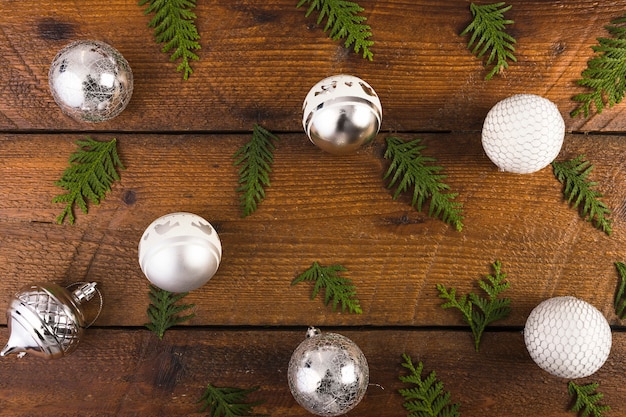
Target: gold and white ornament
523 133
328 373
180 252
568 337
341 113
91 81
47 320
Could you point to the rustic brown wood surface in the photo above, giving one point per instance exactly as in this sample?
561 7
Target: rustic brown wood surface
176 139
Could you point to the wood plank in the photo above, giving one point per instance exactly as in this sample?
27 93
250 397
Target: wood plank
334 210
132 373
258 61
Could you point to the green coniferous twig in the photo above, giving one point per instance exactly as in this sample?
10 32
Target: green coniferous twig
586 400
336 288
427 398
174 26
255 158
605 73
409 168
344 22
619 302
228 402
578 189
488 34
92 171
478 311
164 312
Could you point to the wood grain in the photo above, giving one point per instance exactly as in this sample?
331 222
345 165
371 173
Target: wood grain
132 373
176 139
334 210
259 61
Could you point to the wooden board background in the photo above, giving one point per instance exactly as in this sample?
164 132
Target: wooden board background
177 138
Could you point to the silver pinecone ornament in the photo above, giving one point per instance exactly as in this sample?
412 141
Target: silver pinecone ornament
47 320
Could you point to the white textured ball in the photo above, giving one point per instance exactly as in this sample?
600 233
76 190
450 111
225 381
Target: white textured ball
568 337
179 252
523 133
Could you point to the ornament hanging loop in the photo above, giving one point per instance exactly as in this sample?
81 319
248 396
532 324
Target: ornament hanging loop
84 293
312 331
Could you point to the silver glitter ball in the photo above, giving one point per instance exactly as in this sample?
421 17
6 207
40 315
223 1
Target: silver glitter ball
328 374
180 252
47 320
341 113
91 81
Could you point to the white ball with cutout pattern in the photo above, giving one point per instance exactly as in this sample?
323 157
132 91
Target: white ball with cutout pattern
179 252
568 337
523 133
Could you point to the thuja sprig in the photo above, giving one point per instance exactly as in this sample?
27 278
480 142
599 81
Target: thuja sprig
580 193
93 169
174 26
585 400
343 21
255 159
164 311
410 169
605 74
228 402
478 311
488 35
336 288
619 301
427 398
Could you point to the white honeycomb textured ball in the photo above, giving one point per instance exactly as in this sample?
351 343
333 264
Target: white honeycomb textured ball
568 337
523 133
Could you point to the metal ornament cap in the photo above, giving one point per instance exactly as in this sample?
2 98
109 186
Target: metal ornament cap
180 252
90 81
46 320
341 113
567 337
328 374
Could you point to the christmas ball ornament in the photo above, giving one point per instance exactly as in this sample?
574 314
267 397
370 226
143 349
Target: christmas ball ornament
328 374
91 81
341 113
47 320
567 337
523 133
180 252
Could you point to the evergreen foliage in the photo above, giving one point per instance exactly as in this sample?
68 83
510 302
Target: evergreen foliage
488 35
605 74
228 402
478 311
336 288
619 302
427 398
343 21
174 26
164 312
578 189
93 169
409 168
586 400
255 159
